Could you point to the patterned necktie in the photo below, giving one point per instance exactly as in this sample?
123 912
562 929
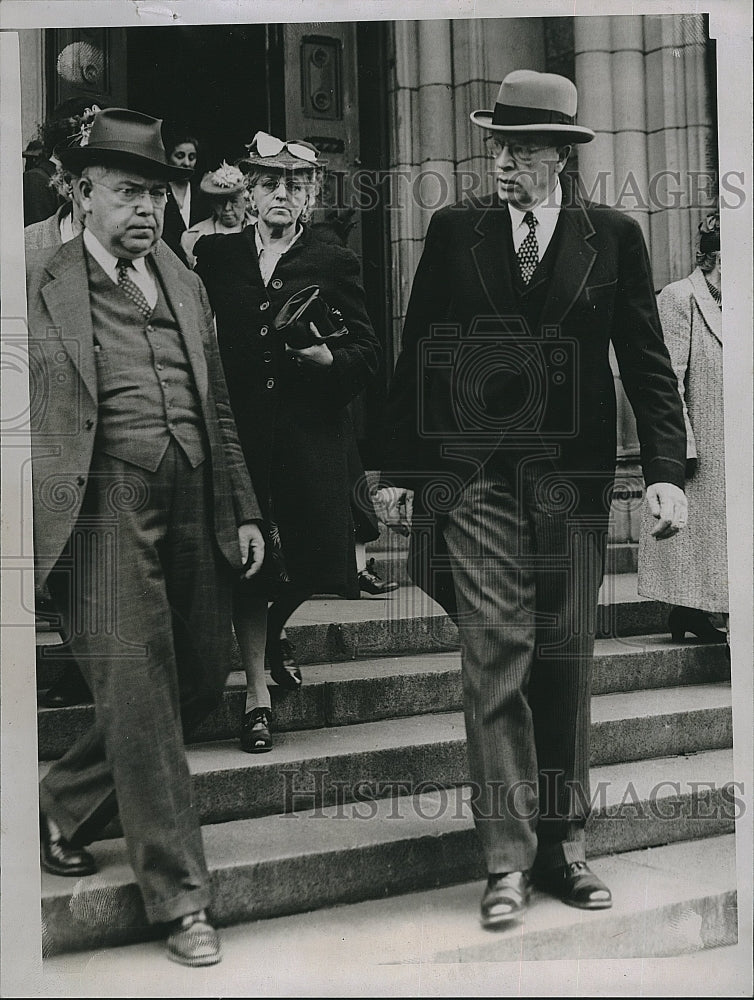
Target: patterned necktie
131 289
528 252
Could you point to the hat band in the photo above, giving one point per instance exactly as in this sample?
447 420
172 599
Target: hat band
514 114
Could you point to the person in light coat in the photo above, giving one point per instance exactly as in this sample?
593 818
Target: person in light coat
690 570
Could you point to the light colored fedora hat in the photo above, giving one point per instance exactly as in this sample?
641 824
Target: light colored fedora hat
529 101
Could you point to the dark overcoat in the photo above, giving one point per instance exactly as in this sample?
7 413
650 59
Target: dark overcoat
473 381
293 421
173 226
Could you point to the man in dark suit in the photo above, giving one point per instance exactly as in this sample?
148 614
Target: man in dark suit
143 515
502 416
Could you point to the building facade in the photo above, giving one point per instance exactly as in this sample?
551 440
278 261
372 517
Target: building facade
388 102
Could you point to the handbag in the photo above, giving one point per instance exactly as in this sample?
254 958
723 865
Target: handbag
302 308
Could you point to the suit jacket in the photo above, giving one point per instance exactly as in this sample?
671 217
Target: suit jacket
463 334
64 389
45 234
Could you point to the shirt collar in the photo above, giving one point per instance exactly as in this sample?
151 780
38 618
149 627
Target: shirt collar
106 260
261 247
550 206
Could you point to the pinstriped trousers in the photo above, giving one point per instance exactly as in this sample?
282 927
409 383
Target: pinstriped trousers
527 572
145 594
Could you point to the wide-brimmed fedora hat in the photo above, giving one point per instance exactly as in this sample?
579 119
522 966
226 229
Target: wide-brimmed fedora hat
529 101
224 182
119 136
270 153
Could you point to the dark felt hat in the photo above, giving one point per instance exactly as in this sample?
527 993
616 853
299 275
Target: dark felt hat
122 137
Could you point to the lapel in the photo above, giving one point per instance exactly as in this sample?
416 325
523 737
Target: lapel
175 279
492 254
574 260
711 312
66 297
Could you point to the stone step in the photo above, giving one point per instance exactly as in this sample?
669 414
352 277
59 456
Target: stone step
327 630
321 767
668 901
367 690
390 558
282 864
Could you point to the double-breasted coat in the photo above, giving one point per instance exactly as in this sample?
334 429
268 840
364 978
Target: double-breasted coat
691 569
293 420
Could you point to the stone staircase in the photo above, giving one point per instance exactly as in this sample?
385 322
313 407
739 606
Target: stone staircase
363 797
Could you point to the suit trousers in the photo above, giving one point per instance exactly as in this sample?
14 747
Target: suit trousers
527 571
145 594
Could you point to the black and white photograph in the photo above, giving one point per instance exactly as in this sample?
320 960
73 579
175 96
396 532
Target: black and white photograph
396 639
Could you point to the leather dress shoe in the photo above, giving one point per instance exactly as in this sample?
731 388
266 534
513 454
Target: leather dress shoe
576 885
505 898
370 582
255 731
193 941
58 856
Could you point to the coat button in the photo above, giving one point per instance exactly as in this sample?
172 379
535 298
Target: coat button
267 356
277 283
270 383
89 424
80 480
264 305
263 331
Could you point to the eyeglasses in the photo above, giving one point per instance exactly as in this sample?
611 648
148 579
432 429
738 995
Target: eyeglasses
520 151
292 186
130 194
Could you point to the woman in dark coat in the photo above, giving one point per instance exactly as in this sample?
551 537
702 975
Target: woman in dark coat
290 406
187 204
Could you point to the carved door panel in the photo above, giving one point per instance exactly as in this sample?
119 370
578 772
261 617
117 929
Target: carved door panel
86 63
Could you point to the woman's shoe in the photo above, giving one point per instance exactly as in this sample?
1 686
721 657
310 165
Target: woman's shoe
682 620
283 667
255 731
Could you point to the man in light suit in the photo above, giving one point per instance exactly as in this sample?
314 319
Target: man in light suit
502 416
143 515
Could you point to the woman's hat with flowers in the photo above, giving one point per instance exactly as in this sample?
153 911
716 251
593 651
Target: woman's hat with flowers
226 181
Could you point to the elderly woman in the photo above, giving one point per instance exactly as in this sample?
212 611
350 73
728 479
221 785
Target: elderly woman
226 190
290 404
690 571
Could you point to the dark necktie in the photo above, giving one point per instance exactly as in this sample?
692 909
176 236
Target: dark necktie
131 289
528 252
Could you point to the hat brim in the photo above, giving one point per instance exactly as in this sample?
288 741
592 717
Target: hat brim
282 161
221 192
571 133
76 158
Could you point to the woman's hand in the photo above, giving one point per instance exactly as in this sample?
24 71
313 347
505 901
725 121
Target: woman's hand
317 356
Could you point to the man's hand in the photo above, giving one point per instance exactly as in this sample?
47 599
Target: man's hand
668 504
393 507
251 544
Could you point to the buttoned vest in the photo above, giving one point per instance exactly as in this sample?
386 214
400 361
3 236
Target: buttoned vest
145 385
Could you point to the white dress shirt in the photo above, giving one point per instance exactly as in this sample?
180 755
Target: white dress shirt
139 273
546 215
